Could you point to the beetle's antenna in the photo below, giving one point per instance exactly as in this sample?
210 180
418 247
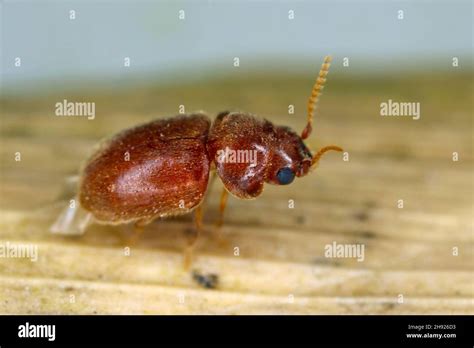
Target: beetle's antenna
312 102
315 93
321 152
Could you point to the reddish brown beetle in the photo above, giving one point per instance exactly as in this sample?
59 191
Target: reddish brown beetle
162 168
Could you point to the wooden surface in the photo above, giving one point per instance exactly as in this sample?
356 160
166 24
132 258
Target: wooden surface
281 267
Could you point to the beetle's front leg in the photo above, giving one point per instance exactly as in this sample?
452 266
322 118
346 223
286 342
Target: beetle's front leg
220 221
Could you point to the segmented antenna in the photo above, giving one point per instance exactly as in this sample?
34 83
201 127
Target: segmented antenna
321 152
315 93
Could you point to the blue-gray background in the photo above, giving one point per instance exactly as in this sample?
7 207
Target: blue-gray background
56 50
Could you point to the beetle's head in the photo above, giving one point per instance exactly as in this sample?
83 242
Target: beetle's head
277 154
291 157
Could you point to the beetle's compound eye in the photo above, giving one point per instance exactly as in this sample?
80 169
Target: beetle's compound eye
285 176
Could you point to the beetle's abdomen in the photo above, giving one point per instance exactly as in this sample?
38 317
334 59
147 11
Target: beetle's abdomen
156 169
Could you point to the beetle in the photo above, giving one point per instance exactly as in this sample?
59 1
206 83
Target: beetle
162 168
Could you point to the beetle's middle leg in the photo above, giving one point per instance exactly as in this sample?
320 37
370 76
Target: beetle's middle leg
220 221
137 231
192 241
138 228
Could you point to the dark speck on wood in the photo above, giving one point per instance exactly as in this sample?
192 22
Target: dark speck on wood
361 216
366 234
300 220
370 204
207 281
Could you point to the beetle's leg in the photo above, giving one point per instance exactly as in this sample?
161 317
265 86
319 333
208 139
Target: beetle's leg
220 220
188 253
138 228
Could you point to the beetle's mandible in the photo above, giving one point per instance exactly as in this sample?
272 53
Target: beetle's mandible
162 168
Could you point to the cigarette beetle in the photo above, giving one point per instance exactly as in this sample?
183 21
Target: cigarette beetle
161 168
